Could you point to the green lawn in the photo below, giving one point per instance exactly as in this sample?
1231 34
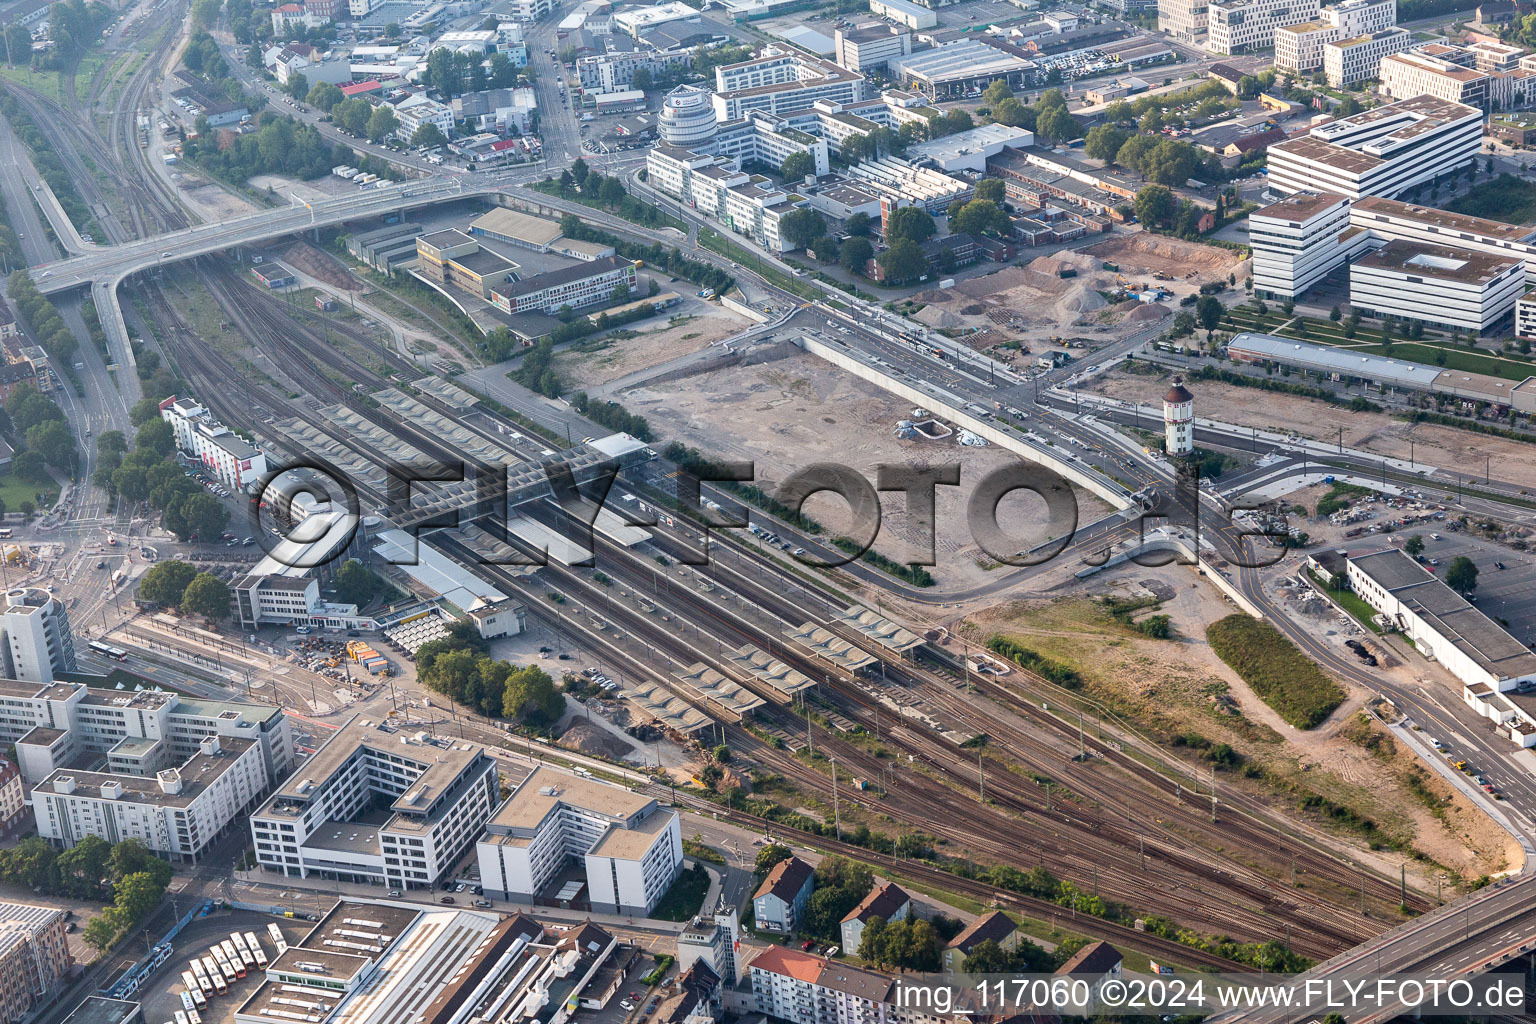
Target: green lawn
1350 602
717 242
1505 198
14 490
686 896
1458 359
47 84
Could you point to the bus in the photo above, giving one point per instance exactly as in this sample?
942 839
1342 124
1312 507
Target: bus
5 533
256 950
233 956
199 978
181 1017
276 935
215 976
108 651
194 988
245 951
186 1000
226 969
194 1016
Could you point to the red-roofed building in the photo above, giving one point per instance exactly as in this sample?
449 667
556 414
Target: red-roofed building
367 88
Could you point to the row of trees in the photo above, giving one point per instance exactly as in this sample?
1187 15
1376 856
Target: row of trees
40 434
459 667
92 869
149 473
1048 116
42 317
177 584
613 416
47 163
593 188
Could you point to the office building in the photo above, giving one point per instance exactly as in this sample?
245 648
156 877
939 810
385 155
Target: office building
633 21
1347 61
35 961
226 456
1495 58
1299 240
1418 74
768 140
904 12
1455 289
886 900
1178 420
871 47
381 808
177 812
782 81
453 258
1242 26
779 903
1381 152
747 204
36 642
712 939
1184 19
687 118
1525 316
630 846
585 284
1299 48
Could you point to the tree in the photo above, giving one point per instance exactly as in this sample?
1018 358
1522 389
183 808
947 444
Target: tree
392 30
355 584
982 216
996 93
351 116
111 442
770 855
909 222
1210 311
131 856
1414 546
992 190
324 96
612 191
428 135
1154 205
1335 314
580 170
166 582
531 697
200 515
1461 575
297 86
858 225
1014 114
722 754
855 254
206 595
82 867
53 441
1103 142
902 262
825 249
801 227
31 466
796 166
156 437
381 123
1056 124
137 895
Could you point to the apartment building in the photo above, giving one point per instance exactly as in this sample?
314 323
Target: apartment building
1441 286
629 845
1299 48
714 940
36 641
781 82
779 903
229 458
1355 60
35 960
177 812
1184 19
768 139
1299 240
421 110
1380 152
871 47
378 808
747 204
615 72
584 284
803 989
1242 26
1418 74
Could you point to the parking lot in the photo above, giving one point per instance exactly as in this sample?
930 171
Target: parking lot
1506 595
161 995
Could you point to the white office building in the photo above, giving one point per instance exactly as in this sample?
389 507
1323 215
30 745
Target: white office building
1420 74
177 812
871 47
381 808
747 204
1299 240
631 846
1184 19
36 642
1300 47
769 140
1354 60
782 81
228 457
1451 288
687 118
1242 26
633 20
1380 152
1525 314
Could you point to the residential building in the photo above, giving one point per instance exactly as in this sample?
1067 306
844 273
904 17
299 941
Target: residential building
1404 75
1184 19
712 940
954 68
1299 48
1299 240
420 110
224 455
1380 152
36 642
629 845
579 286
782 81
1354 60
177 812
1440 622
380 808
1243 26
886 900
797 987
35 961
993 926
13 798
1456 289
779 903
747 204
871 47
1095 964
696 1000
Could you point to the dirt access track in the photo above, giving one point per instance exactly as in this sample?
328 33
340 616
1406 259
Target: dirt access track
1144 253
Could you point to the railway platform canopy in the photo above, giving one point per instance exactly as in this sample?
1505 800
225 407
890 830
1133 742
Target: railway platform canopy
783 679
730 697
668 709
831 647
880 630
447 392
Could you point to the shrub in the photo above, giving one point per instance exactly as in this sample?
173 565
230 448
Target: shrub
1275 669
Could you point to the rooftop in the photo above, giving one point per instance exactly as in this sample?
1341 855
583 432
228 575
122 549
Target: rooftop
994 925
565 275
785 879
194 777
1445 219
547 789
1440 263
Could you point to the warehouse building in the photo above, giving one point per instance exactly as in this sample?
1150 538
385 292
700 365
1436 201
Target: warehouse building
913 16
388 248
579 286
515 228
377 808
629 846
954 68
970 150
1381 152
1444 287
